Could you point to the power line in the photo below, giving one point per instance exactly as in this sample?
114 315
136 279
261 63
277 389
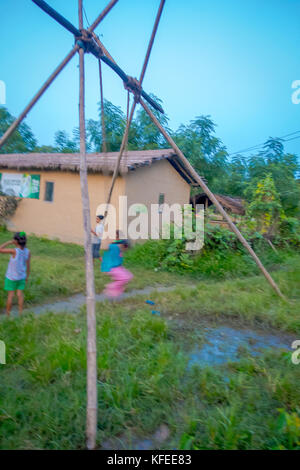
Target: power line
256 147
294 138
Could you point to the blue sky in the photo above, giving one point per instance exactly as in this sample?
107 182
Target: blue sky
230 59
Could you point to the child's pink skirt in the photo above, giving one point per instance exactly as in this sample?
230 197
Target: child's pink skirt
121 277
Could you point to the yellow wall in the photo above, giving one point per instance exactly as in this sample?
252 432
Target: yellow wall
144 185
61 218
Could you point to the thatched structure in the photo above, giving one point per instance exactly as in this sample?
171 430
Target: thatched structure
96 162
234 205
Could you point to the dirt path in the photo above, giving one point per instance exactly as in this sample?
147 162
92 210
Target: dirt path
74 303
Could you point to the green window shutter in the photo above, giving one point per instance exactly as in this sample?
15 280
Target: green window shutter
49 191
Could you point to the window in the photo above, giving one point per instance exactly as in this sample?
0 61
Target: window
49 191
161 201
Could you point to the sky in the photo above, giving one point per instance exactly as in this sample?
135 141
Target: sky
232 60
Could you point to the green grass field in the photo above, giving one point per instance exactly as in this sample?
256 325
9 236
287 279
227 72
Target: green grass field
58 270
143 378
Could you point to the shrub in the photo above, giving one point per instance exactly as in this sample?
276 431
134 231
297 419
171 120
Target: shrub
8 206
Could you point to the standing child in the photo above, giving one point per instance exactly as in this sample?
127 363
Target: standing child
112 265
18 269
97 236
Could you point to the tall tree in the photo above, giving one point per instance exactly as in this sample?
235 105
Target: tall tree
64 144
283 168
144 134
204 150
235 178
265 207
21 141
115 122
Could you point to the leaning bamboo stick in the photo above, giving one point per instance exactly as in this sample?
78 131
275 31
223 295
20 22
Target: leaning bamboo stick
36 97
52 77
212 197
91 414
102 15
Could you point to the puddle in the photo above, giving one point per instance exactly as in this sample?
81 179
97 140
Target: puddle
225 344
136 444
133 443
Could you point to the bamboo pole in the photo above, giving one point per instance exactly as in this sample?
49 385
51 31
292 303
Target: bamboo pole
103 48
35 99
102 15
150 45
52 77
91 412
212 197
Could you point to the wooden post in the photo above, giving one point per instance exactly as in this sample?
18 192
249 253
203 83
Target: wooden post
212 197
91 414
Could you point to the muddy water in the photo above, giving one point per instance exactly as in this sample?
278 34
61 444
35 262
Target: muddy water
223 344
220 345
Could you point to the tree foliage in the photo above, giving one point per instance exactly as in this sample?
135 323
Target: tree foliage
204 150
8 206
265 206
21 141
236 176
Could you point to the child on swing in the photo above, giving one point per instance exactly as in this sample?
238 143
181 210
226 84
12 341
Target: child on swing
18 269
112 264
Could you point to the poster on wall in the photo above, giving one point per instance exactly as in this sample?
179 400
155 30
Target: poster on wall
20 185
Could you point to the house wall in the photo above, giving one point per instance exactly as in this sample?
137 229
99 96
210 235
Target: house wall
62 218
144 185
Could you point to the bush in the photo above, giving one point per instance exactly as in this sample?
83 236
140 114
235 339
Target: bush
289 231
8 206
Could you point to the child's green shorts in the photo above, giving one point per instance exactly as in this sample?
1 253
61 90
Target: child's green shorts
14 285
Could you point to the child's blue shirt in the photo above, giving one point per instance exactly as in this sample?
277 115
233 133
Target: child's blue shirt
111 258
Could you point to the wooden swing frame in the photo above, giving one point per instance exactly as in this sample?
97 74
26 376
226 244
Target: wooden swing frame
87 41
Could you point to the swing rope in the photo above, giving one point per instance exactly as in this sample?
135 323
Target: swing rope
104 146
133 86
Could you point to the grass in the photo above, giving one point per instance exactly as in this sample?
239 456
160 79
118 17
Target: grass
249 301
58 270
143 380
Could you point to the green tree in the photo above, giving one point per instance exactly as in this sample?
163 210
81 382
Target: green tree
204 150
145 134
115 122
283 168
21 141
265 206
234 181
64 144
